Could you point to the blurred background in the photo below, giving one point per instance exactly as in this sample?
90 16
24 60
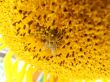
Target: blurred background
2 54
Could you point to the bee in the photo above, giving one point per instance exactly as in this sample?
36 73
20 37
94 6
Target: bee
51 39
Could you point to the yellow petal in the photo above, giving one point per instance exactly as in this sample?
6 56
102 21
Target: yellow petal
8 67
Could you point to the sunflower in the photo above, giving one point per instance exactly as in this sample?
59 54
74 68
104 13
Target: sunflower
69 39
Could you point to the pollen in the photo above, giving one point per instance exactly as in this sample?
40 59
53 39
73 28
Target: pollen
67 38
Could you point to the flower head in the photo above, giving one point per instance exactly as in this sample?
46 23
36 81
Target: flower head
68 38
